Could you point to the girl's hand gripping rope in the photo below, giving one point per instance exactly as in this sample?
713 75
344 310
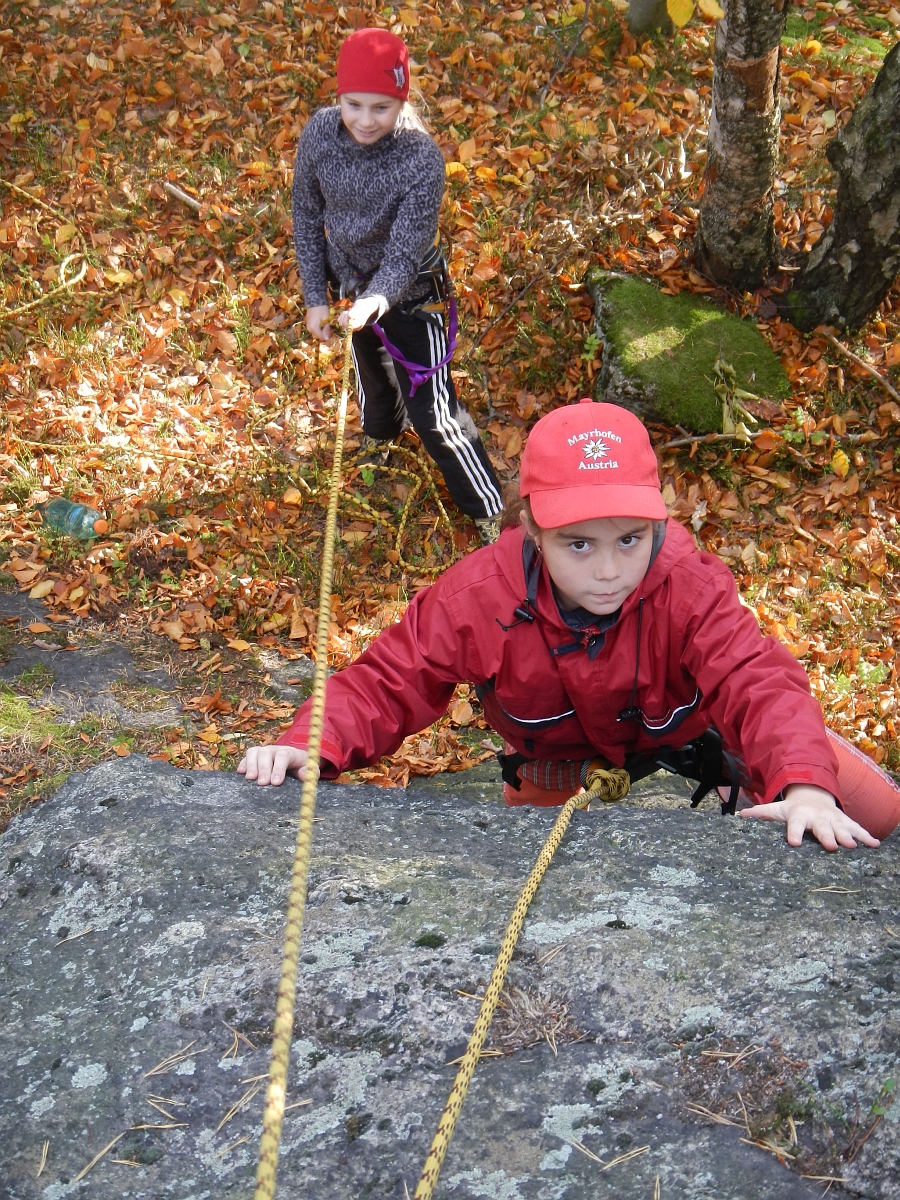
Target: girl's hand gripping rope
318 324
370 308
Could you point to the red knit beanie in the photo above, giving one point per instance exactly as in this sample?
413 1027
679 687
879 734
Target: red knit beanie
375 61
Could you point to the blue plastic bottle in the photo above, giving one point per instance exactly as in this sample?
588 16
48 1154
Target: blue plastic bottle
77 520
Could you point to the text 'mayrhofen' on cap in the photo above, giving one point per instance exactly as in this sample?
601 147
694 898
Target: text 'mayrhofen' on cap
590 460
374 61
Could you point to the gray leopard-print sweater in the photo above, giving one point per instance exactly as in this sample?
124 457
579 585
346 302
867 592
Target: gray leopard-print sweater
379 203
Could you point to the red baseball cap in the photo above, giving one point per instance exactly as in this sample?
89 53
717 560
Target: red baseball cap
374 61
590 460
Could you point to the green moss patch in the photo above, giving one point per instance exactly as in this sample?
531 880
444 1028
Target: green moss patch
668 345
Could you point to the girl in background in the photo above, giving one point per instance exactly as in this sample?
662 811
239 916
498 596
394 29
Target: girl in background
368 184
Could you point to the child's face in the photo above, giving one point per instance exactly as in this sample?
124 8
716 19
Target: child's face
596 564
368 117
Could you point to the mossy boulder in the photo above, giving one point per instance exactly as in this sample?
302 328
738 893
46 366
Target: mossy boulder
659 352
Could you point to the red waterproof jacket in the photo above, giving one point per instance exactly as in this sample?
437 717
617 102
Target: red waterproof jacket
683 655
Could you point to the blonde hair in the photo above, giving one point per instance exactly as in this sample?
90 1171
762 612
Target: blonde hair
411 116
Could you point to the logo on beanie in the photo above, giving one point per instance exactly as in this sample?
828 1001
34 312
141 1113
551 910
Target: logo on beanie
399 75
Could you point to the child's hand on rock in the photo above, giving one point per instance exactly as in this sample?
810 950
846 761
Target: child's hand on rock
811 808
270 764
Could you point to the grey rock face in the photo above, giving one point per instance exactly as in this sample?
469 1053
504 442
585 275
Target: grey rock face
141 914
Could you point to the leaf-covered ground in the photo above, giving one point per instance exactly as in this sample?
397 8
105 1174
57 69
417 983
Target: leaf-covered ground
173 385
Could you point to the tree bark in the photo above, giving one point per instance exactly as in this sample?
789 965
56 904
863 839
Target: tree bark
735 236
853 265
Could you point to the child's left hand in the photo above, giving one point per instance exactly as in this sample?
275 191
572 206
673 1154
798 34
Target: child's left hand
362 312
811 808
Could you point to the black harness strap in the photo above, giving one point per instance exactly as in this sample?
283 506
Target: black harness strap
704 759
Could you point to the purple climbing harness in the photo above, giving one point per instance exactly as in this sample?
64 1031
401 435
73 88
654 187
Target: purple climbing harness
419 374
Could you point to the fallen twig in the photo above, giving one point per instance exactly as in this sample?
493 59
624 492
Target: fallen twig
834 890
182 196
239 1142
859 1145
542 95
613 1162
97 1157
614 218
176 193
861 362
242 1103
719 1118
735 1056
73 936
163 1068
630 1154
43 1162
778 1151
700 437
66 284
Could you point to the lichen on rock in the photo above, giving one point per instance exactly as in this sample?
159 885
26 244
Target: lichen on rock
662 946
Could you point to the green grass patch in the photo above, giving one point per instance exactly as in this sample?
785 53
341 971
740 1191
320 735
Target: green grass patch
34 679
669 344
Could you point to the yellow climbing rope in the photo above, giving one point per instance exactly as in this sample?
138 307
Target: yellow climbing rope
603 783
287 986
606 784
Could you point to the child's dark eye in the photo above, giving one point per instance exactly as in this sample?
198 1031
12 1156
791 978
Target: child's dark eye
628 540
579 545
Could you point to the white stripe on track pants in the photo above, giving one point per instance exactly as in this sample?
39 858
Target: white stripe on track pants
446 430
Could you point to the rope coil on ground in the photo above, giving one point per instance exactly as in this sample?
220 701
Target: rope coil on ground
287 986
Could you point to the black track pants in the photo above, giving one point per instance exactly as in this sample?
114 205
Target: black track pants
446 430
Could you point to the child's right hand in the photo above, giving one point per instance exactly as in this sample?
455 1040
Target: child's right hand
270 764
317 322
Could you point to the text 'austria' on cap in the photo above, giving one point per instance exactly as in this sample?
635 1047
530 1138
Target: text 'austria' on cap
590 460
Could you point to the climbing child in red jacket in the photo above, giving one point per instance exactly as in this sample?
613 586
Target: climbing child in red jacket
595 628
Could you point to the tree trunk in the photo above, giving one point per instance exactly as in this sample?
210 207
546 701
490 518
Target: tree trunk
853 265
735 235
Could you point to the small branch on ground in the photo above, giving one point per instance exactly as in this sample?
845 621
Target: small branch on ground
545 90
861 362
66 285
182 196
176 193
700 437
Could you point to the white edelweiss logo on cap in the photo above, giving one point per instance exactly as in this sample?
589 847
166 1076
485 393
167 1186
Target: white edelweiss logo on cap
595 449
399 76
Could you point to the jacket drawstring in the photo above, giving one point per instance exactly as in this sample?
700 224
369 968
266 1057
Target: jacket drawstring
633 713
527 610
